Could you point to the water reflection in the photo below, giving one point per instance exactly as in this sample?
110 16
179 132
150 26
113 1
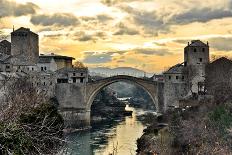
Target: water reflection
120 134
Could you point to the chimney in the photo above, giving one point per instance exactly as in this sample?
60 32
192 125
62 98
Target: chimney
207 43
13 28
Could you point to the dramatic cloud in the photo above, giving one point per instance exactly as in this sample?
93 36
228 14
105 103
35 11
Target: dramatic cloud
221 43
123 30
95 58
59 19
201 15
150 51
10 8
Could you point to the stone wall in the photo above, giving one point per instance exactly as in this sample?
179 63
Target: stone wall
173 92
24 48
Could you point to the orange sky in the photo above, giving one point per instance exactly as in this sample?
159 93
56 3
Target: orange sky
145 34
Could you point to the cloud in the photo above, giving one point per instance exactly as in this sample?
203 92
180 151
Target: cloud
59 19
201 15
84 36
123 30
148 20
95 58
221 43
103 18
150 51
113 2
10 8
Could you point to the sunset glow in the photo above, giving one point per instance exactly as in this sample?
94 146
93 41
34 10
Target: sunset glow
145 34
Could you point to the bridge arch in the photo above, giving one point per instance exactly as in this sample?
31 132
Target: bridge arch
93 88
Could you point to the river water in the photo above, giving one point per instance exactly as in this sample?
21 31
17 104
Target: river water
118 136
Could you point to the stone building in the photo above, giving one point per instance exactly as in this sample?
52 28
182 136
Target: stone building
196 57
72 75
175 86
53 62
24 47
187 78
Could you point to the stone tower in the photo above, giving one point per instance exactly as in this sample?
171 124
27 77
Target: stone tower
196 56
24 47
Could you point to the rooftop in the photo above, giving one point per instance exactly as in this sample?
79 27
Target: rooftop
178 68
55 56
197 43
23 29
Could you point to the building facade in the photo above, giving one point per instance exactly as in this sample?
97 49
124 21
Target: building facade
24 47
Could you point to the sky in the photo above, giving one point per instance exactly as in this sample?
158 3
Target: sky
145 34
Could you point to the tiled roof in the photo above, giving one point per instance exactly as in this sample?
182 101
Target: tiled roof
175 69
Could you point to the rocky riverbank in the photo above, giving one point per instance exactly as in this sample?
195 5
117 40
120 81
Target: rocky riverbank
203 129
107 107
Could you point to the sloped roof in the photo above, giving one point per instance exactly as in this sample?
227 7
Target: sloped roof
4 57
178 68
197 43
23 29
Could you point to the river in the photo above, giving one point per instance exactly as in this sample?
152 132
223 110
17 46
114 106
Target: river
118 136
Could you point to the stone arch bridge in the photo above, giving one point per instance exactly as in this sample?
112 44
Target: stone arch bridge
75 100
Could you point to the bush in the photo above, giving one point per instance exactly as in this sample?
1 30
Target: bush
221 118
36 132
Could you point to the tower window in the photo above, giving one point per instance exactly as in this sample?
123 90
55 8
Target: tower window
200 59
177 77
182 77
203 49
195 50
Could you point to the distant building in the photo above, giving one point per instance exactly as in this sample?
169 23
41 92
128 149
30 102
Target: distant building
53 62
24 47
5 47
72 75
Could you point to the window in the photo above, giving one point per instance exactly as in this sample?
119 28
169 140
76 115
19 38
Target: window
42 68
200 59
182 77
45 68
74 74
32 68
203 49
195 50
74 80
169 77
82 80
185 63
81 74
44 83
7 67
177 77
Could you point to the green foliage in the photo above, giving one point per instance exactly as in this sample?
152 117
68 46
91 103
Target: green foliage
221 118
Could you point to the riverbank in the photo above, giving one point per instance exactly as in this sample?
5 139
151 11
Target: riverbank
203 129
